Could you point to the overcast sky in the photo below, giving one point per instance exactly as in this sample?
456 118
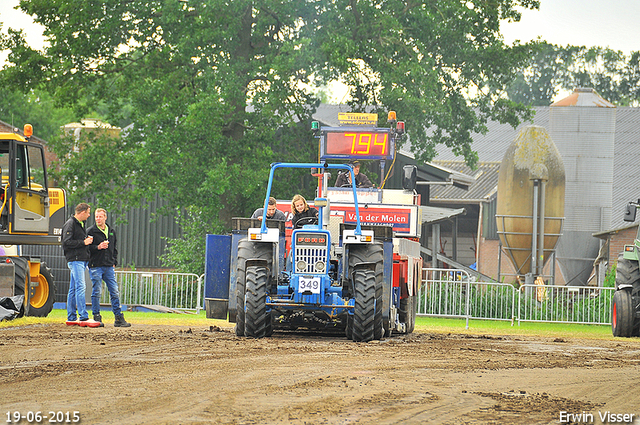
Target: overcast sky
606 23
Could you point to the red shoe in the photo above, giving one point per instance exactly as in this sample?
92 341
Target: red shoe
89 323
72 322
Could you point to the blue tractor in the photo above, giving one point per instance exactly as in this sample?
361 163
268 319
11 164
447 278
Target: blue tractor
331 279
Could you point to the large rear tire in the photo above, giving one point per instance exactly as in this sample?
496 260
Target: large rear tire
41 297
364 319
627 272
622 314
257 319
248 250
371 254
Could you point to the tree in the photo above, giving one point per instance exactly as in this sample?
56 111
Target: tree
553 68
35 107
216 90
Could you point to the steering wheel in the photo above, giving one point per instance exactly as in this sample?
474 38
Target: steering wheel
306 220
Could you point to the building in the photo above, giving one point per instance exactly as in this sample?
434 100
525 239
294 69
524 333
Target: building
622 154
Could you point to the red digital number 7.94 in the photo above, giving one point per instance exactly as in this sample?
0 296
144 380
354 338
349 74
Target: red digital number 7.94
361 143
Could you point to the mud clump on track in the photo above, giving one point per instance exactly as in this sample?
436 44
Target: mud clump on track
157 375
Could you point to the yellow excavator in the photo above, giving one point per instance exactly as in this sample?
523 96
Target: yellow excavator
31 213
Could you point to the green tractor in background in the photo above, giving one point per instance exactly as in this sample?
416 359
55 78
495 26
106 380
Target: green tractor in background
625 319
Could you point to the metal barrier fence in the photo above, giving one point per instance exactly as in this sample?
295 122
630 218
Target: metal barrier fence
454 293
180 291
565 304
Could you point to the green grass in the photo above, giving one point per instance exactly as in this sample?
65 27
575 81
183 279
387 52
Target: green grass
423 325
134 317
494 327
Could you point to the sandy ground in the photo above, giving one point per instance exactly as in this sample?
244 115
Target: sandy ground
179 375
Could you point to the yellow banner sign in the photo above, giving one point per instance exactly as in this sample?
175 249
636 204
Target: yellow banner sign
354 118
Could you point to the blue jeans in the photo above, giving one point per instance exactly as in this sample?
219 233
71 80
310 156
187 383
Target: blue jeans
75 297
108 274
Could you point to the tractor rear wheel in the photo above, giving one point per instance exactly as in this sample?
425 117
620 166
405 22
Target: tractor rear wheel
627 272
248 250
257 318
622 313
365 305
372 254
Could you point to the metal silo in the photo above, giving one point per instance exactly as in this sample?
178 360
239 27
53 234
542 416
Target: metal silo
583 128
531 194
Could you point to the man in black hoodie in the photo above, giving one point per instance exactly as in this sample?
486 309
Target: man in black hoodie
104 259
75 246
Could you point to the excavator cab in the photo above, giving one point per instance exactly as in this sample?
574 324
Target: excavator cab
31 213
25 206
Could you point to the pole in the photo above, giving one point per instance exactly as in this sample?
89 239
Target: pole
534 231
543 185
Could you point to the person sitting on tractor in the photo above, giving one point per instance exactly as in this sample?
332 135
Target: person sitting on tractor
302 212
273 213
344 179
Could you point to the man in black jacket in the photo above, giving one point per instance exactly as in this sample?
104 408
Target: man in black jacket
344 179
75 246
104 259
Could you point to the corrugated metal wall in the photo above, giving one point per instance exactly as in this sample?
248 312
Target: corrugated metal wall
140 243
584 133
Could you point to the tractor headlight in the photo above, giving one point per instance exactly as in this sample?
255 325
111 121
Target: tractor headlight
320 267
301 266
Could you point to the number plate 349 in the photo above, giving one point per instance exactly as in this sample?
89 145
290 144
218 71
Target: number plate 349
309 284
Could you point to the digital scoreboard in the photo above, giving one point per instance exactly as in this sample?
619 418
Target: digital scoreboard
357 143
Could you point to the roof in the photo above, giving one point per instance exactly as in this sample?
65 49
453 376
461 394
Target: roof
431 215
483 190
492 146
584 97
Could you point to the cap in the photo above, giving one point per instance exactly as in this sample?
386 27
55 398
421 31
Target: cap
354 162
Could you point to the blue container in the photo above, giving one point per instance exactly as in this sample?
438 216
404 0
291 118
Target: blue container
216 276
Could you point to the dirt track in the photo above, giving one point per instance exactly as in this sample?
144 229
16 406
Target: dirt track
157 375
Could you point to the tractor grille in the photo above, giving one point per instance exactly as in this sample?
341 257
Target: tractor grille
311 252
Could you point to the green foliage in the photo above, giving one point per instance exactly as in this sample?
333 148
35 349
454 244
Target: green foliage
36 107
553 68
504 302
217 90
610 277
187 253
